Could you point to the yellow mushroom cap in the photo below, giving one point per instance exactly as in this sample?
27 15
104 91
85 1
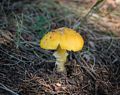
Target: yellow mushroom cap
64 37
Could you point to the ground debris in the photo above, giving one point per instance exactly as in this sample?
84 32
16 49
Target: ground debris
6 37
26 69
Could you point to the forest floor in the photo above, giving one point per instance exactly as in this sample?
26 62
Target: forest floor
26 69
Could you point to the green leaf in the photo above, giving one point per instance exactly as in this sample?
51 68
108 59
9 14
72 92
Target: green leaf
39 25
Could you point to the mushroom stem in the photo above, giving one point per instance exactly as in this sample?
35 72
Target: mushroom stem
61 57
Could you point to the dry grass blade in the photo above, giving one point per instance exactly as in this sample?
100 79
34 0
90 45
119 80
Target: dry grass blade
7 89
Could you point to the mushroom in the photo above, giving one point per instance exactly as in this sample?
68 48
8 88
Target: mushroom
62 40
